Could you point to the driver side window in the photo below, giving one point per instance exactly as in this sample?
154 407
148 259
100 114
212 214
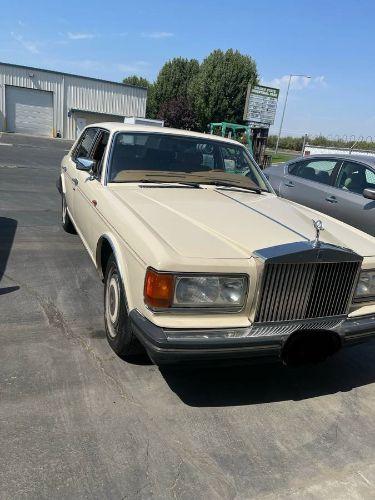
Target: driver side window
85 143
98 152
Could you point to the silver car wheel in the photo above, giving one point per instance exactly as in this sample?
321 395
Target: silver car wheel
112 305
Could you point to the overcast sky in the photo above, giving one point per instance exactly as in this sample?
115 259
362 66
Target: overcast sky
331 41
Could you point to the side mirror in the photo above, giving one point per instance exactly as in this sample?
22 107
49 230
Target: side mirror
369 193
85 164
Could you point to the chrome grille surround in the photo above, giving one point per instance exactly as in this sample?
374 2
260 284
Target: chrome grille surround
305 282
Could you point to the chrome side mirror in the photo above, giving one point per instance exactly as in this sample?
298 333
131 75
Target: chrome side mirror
369 193
85 164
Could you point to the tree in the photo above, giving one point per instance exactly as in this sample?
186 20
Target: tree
173 81
137 81
178 113
218 90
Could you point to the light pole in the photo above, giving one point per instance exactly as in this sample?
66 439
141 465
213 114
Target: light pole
282 116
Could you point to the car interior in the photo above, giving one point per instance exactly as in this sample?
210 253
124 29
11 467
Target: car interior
161 153
318 171
355 178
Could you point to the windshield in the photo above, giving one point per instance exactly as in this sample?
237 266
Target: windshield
158 157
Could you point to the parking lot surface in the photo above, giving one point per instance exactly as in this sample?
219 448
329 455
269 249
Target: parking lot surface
77 422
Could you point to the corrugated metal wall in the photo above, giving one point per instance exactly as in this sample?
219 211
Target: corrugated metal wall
73 92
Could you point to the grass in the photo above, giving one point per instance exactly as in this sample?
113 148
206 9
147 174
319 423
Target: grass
281 157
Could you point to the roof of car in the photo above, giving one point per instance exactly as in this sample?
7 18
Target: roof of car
126 127
369 160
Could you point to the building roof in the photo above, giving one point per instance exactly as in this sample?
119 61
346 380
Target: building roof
126 127
71 74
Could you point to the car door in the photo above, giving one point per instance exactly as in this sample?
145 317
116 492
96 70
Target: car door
69 166
82 150
89 192
349 204
309 182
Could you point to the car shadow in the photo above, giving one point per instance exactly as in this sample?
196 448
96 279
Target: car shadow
222 385
8 229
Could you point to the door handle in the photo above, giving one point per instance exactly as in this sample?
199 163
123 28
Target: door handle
290 184
75 181
331 199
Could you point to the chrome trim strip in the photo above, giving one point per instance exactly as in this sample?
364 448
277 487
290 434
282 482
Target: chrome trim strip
281 329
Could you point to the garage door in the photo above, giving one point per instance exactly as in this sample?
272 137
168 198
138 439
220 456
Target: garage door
29 111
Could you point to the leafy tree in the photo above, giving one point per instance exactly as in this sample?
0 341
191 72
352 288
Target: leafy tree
218 90
137 81
178 113
173 81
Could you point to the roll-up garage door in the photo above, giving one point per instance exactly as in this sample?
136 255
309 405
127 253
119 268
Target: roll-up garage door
29 111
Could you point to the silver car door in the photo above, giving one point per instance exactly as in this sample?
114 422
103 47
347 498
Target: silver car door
350 205
308 182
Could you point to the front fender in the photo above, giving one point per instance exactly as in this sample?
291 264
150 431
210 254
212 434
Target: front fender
121 259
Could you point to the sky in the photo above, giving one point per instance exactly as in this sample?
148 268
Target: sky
332 41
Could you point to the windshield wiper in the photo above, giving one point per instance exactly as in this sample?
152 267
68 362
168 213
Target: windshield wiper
168 184
231 185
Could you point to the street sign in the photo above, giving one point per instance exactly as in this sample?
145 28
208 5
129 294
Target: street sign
261 104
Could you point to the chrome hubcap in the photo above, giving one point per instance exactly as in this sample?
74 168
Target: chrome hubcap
112 304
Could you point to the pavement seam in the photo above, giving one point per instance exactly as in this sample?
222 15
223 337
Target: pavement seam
56 319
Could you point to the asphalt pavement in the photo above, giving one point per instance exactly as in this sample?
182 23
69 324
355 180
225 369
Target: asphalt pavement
76 421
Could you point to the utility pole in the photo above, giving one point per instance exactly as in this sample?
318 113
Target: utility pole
285 102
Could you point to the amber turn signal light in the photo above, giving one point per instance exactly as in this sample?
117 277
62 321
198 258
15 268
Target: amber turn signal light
159 289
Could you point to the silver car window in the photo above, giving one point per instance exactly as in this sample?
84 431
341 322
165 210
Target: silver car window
314 170
355 177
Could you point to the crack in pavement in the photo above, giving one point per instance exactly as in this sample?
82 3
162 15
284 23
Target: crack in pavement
56 319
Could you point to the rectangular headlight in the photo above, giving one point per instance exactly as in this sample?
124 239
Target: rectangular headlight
209 291
366 285
164 290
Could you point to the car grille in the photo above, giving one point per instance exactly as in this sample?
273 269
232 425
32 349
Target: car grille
304 291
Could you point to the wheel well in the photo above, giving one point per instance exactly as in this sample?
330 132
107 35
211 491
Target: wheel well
105 252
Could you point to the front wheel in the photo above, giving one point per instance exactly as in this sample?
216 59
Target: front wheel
118 327
66 222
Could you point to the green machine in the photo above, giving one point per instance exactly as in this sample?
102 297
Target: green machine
240 133
254 138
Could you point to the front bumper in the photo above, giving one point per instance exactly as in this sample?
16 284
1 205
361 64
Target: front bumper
265 342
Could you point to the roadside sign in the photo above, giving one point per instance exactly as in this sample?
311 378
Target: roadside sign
261 104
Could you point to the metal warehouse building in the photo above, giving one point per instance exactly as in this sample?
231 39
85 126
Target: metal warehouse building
48 103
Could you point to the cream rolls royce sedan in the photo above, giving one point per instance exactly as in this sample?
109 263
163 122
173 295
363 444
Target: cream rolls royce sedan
200 259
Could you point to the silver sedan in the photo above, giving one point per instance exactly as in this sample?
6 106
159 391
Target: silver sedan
342 186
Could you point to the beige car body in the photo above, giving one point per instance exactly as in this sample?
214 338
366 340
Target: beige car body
192 230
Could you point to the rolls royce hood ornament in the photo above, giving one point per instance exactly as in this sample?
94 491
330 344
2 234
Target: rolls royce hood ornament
318 225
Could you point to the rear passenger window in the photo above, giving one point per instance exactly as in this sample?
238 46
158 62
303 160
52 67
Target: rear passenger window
85 143
314 170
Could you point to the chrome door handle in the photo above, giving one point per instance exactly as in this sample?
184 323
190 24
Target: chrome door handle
75 181
331 199
290 184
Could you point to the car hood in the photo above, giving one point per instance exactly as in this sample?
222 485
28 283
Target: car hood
229 224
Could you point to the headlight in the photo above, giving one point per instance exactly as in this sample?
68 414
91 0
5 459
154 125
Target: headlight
213 291
163 290
366 285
